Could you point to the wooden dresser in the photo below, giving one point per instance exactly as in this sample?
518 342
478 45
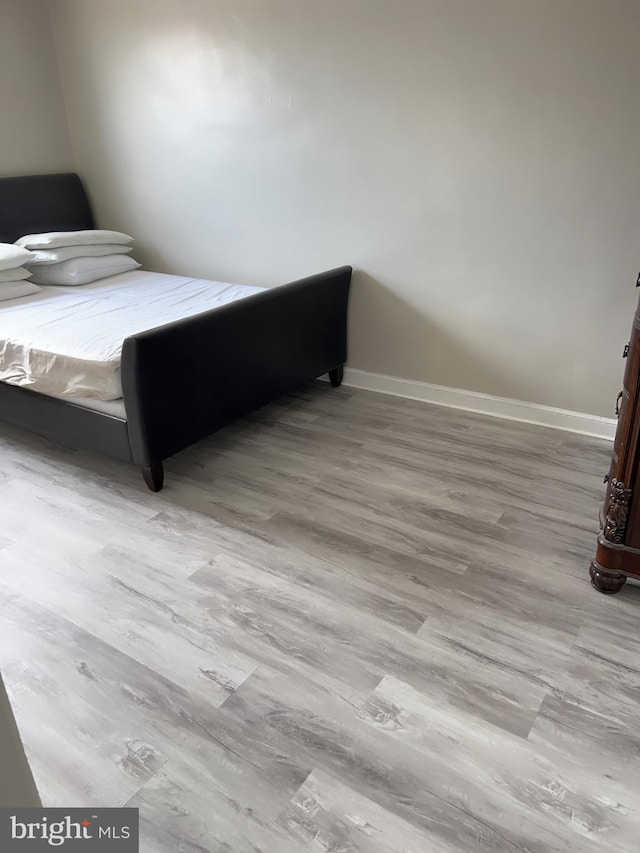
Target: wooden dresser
618 549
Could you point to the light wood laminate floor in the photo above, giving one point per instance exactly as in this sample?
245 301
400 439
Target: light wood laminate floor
349 623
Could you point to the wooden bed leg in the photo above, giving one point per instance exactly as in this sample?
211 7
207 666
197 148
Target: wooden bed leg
154 476
335 376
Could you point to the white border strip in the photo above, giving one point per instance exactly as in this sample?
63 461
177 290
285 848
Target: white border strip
485 404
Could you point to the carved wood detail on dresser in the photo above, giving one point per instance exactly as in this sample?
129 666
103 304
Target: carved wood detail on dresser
618 549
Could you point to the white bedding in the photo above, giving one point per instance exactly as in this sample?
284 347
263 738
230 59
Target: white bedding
67 341
107 407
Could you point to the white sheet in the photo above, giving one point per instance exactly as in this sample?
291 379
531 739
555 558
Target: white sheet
107 407
67 341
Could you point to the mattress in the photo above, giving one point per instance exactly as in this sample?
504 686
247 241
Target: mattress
67 341
115 408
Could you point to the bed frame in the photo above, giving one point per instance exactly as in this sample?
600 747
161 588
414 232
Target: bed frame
184 380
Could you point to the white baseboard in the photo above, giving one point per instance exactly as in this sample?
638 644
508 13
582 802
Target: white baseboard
485 404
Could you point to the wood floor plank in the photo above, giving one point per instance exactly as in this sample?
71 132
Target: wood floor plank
335 737
359 650
544 805
326 815
110 723
124 615
185 809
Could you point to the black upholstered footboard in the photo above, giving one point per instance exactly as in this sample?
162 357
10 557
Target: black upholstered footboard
187 379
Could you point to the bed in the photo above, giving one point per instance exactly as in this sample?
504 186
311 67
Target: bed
184 379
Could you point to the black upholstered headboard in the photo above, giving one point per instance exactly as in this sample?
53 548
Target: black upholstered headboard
34 204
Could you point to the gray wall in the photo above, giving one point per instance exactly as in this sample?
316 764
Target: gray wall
477 161
34 135
34 138
17 788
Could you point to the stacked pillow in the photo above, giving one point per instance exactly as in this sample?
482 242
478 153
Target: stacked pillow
13 275
77 257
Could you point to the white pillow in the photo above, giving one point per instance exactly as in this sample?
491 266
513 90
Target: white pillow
83 270
14 289
53 239
13 256
66 253
14 274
